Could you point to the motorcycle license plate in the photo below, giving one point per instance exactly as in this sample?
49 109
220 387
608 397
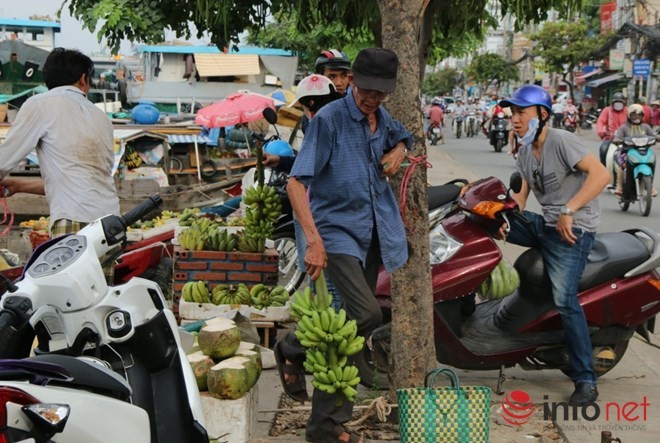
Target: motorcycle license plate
436 130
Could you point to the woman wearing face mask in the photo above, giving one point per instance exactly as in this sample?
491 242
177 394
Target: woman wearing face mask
566 180
609 121
633 127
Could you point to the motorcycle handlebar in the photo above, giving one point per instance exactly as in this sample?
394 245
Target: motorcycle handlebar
142 209
7 319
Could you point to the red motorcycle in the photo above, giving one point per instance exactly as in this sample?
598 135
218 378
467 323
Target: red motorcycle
619 292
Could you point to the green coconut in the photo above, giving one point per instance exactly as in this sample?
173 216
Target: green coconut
228 379
201 364
219 340
247 346
253 366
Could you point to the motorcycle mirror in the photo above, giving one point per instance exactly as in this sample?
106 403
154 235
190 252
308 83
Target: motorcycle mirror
515 182
270 115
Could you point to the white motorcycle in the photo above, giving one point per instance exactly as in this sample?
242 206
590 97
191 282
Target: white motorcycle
109 366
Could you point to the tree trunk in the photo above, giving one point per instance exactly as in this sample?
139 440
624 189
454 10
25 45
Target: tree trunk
412 298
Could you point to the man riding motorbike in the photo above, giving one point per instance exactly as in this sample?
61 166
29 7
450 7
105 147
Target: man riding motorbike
609 121
571 115
634 126
436 120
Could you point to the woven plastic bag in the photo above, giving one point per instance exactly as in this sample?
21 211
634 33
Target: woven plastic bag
451 414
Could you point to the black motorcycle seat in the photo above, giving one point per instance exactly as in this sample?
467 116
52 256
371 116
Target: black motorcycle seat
89 376
612 255
442 194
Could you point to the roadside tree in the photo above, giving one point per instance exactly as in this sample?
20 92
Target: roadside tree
489 68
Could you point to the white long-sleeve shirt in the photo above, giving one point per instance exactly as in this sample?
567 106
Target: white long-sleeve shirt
75 146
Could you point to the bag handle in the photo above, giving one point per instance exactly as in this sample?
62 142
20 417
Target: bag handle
453 378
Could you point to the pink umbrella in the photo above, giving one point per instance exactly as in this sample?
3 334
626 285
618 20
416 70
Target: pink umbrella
241 107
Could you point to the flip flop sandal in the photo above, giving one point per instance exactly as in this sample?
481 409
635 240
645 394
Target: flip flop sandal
297 390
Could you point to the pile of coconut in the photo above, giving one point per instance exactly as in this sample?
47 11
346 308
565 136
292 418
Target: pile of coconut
223 364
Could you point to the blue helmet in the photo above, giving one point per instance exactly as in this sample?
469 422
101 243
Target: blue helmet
529 95
279 148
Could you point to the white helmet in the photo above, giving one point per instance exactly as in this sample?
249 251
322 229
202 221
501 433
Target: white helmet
313 86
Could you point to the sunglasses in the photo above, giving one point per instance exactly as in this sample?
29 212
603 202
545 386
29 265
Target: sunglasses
538 181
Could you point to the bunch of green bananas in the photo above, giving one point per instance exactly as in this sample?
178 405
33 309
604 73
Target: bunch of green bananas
195 238
131 158
231 295
263 297
188 216
196 292
248 243
330 338
263 208
221 241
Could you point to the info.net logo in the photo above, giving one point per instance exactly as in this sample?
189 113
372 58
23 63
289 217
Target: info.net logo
518 407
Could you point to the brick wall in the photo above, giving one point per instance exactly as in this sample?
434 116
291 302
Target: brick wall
222 268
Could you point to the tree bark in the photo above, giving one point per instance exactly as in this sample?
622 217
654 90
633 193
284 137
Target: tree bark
412 298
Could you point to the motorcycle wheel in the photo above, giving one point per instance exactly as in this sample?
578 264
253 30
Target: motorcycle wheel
499 145
458 131
603 366
645 195
290 275
434 140
623 204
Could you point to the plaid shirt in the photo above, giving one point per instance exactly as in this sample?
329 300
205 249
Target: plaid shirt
339 162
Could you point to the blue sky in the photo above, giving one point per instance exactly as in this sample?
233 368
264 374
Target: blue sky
72 35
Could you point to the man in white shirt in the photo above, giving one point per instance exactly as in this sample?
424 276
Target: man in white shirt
74 143
557 112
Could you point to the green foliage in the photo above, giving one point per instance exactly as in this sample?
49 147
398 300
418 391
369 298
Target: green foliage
441 82
488 67
563 45
284 33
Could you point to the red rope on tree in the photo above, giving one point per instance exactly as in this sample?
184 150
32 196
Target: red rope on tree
403 187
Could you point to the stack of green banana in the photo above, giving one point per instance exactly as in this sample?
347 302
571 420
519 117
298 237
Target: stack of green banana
503 281
221 240
195 238
188 216
231 295
329 338
263 297
196 292
263 208
131 158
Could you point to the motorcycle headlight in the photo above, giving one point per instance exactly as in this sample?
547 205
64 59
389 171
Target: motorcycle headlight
442 246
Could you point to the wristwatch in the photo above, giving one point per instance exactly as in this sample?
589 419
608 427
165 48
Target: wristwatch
565 210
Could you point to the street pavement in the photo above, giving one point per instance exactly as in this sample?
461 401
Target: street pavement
629 403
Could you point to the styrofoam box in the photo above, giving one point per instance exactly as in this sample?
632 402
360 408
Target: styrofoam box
233 420
141 234
204 311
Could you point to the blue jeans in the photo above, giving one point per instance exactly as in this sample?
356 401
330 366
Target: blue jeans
301 246
564 264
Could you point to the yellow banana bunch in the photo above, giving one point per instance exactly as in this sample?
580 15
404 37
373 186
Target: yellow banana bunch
131 158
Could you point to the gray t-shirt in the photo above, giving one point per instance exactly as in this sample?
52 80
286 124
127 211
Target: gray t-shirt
561 151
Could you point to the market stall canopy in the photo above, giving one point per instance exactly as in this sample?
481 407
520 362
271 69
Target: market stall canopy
187 138
222 65
601 81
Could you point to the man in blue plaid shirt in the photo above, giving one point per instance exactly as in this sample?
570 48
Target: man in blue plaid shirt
352 224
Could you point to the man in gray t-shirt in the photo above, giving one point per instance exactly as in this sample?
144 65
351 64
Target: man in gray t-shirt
566 180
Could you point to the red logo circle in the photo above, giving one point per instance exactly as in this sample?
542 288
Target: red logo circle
517 408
